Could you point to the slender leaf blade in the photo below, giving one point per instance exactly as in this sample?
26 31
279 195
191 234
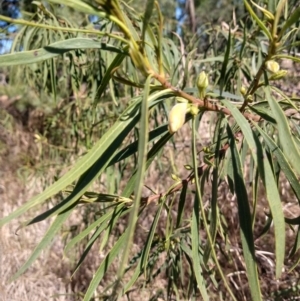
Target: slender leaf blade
274 200
285 136
258 21
283 162
147 16
243 124
53 50
145 253
142 159
114 252
245 220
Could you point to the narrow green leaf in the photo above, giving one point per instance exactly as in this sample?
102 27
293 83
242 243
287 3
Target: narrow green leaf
53 75
244 125
181 204
145 253
290 21
214 193
114 252
225 63
78 5
211 59
258 20
87 231
274 200
245 220
131 28
107 77
296 264
195 251
264 113
119 212
147 16
142 159
53 50
290 150
159 47
296 245
195 224
286 56
285 166
133 147
255 194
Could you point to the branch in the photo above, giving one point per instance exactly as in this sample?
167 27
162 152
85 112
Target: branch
145 201
206 104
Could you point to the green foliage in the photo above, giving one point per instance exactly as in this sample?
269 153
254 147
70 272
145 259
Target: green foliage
132 71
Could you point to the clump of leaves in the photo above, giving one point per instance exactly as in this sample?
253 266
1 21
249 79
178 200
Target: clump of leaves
254 121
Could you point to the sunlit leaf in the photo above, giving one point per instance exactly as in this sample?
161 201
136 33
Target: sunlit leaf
54 50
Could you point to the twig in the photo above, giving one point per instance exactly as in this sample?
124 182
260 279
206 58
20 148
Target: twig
206 104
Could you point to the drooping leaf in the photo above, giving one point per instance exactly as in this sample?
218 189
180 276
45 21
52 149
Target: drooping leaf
146 250
274 200
258 20
147 16
245 220
113 253
290 21
290 150
284 164
142 159
54 50
225 63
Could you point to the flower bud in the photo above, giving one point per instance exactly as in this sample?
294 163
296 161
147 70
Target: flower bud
243 90
177 117
272 66
202 83
250 98
174 177
206 150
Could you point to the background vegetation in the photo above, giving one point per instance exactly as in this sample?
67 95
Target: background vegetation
210 212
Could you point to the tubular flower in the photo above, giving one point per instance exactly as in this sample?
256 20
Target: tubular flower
177 117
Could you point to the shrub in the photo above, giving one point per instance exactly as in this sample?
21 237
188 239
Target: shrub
142 74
